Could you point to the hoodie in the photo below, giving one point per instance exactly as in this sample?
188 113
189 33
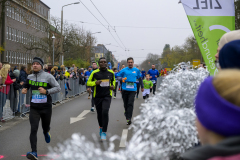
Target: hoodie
228 149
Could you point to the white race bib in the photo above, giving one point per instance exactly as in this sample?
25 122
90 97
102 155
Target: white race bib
153 81
105 83
37 97
130 85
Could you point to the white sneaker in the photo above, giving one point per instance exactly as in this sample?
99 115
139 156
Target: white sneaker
92 109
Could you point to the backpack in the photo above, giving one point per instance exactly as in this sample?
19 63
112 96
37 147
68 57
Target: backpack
61 76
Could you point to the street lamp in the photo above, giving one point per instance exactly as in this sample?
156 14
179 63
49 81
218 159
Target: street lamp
61 48
53 37
96 33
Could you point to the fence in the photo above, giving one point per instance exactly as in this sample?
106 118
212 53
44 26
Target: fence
12 101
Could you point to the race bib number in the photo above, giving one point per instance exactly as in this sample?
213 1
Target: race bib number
37 97
105 83
153 81
129 85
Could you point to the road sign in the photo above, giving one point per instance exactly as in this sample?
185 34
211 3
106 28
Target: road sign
196 63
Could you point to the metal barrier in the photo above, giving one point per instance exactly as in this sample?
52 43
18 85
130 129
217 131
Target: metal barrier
12 101
24 103
159 81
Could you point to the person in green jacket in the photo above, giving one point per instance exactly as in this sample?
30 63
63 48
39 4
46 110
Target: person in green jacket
147 86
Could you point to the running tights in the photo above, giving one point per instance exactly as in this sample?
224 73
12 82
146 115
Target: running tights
154 88
128 100
103 106
115 90
34 118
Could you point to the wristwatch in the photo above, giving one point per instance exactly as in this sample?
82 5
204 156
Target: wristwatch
47 92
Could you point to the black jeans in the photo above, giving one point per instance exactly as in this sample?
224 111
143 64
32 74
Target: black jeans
153 88
128 100
103 106
34 118
115 90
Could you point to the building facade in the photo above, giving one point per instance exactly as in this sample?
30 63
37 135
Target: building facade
25 25
100 51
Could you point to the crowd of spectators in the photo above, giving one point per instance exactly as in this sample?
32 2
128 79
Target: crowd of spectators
13 76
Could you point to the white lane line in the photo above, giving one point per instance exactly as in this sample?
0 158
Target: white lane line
124 138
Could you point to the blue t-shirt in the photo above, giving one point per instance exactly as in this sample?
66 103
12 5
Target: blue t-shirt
132 75
116 74
87 73
153 73
143 73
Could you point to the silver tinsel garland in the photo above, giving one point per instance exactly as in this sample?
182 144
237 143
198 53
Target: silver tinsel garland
164 129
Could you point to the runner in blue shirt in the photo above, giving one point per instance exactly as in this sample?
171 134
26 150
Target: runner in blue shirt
153 77
143 73
116 86
138 84
87 75
94 67
129 75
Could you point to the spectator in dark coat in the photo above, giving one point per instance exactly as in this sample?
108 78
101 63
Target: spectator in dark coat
23 74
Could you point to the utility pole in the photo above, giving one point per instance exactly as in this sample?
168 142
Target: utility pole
61 46
3 41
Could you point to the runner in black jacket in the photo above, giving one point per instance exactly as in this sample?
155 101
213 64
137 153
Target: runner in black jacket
42 84
103 81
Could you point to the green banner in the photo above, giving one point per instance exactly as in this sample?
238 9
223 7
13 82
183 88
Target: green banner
210 20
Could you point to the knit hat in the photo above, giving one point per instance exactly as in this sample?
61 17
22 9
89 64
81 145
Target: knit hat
39 60
16 73
229 55
228 37
215 113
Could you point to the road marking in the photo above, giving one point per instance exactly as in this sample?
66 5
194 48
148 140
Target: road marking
124 138
80 117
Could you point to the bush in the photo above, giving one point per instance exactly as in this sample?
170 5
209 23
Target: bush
78 63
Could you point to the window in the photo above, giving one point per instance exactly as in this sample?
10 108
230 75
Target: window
17 58
21 37
14 35
20 62
7 9
10 11
13 13
11 57
7 32
20 15
7 56
23 58
17 35
24 36
10 33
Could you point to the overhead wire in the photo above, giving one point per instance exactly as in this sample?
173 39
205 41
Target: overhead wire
100 22
108 23
132 26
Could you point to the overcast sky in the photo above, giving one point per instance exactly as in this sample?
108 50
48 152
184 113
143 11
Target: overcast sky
165 14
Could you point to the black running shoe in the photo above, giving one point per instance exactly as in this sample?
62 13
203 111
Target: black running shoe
129 122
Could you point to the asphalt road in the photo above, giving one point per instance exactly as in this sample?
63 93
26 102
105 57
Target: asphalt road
14 141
